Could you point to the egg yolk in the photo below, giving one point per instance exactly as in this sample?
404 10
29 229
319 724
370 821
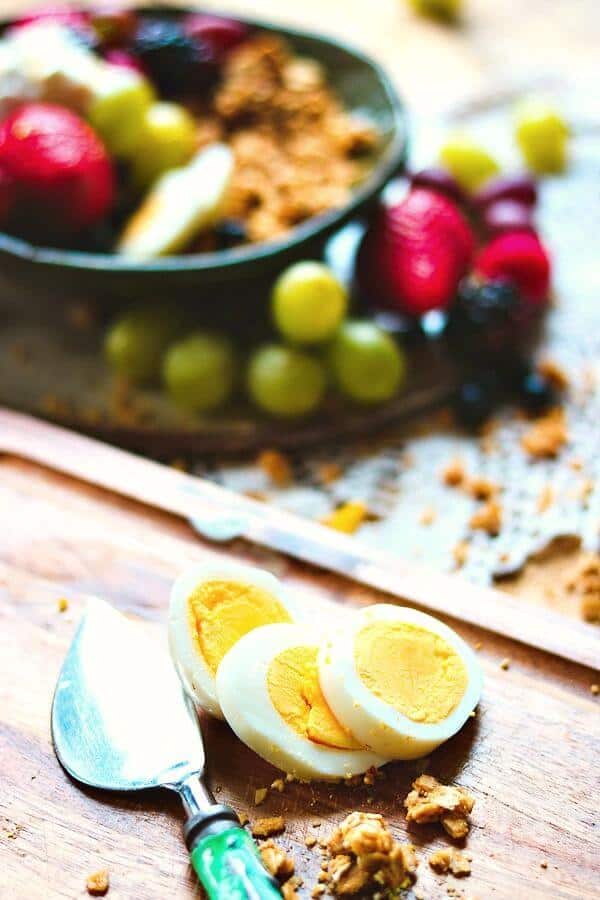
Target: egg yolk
413 670
221 612
293 685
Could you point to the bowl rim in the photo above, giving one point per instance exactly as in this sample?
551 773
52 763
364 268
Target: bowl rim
234 258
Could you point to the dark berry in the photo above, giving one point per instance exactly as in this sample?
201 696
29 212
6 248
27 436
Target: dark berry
176 62
487 322
520 188
507 215
438 179
476 400
230 233
536 394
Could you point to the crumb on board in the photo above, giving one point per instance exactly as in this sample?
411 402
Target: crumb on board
276 467
454 474
289 889
276 860
362 854
546 437
431 801
244 818
482 488
260 795
266 827
97 883
545 498
449 859
328 472
278 785
428 516
576 463
63 604
584 581
460 552
544 864
310 841
487 518
554 373
346 518
595 689
505 664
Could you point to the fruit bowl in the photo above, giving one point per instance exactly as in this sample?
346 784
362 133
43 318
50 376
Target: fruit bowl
362 86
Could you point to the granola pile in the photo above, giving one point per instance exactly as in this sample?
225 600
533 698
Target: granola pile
430 801
298 153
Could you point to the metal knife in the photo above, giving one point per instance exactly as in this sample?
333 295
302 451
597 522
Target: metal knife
121 722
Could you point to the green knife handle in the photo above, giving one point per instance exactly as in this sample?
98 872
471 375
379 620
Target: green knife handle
226 859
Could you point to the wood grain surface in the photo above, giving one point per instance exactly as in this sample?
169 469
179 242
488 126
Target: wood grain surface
531 754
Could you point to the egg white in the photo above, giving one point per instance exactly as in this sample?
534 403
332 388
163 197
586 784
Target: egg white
195 674
246 703
373 722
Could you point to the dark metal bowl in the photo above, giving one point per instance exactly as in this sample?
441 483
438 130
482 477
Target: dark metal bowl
362 86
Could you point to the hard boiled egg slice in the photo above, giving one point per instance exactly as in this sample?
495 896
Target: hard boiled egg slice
269 691
400 680
212 607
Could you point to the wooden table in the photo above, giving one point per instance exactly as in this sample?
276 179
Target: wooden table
530 756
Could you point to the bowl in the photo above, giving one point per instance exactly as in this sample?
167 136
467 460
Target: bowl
362 86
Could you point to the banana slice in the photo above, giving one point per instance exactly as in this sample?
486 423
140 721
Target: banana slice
181 204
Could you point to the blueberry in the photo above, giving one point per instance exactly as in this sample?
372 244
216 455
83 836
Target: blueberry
230 233
476 399
536 394
177 63
487 323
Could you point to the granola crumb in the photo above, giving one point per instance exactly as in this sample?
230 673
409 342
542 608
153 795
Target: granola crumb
363 854
478 645
545 498
97 884
289 890
554 373
505 664
547 436
487 518
264 828
276 467
63 604
318 890
448 859
544 864
244 818
595 689
346 518
260 795
460 553
428 516
278 785
482 488
276 860
431 801
328 472
310 841
454 474
585 583
576 463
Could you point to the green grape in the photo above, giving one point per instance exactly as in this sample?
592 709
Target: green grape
308 303
168 140
200 371
135 343
468 162
118 111
284 381
366 363
543 137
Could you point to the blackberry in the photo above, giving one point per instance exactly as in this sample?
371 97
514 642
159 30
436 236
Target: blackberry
176 62
487 323
476 399
230 233
535 394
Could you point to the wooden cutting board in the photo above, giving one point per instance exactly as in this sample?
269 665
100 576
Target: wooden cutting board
529 757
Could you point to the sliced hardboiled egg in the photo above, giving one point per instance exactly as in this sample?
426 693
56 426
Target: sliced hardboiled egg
400 680
269 692
212 607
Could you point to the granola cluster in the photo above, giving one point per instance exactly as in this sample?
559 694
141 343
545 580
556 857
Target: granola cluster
365 856
430 801
298 153
585 583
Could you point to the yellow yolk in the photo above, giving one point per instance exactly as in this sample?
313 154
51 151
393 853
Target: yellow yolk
411 669
293 685
221 612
